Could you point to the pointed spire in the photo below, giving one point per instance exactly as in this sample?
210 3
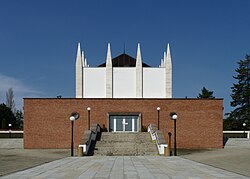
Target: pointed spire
138 56
168 74
79 72
139 72
109 58
83 64
162 63
168 53
109 74
79 55
164 58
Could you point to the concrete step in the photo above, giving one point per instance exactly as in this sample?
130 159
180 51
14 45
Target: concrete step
125 151
126 144
125 136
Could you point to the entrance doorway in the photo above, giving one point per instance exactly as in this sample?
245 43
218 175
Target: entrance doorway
123 123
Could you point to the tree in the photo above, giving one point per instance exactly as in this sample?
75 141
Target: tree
205 94
241 93
6 117
10 100
19 119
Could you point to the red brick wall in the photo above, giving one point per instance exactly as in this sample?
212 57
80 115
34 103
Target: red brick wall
47 125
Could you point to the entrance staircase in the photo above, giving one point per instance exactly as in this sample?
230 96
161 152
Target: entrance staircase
125 144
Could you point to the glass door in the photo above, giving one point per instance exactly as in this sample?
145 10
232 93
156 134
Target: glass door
123 123
118 124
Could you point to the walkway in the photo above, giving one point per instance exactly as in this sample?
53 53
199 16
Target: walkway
124 167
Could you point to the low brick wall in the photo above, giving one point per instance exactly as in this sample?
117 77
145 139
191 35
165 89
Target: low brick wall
47 125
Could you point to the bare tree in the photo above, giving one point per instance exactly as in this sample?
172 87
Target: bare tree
10 100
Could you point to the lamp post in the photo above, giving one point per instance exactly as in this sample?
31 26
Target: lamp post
74 116
244 128
173 117
158 111
88 108
10 125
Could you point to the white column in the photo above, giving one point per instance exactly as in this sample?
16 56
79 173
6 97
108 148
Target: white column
79 73
83 67
168 73
114 124
123 124
133 124
139 73
83 63
109 74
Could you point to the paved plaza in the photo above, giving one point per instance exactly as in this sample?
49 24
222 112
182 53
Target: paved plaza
123 167
231 162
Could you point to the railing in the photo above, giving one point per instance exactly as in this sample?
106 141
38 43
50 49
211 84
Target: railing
12 131
158 137
11 134
89 139
236 134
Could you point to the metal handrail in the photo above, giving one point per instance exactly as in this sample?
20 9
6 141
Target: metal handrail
93 135
154 136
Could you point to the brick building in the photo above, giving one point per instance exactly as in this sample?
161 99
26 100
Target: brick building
122 95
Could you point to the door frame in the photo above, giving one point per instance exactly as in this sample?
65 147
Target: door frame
125 114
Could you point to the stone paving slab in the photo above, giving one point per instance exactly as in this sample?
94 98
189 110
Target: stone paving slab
126 167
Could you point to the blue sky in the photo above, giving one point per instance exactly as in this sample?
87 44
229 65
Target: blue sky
38 41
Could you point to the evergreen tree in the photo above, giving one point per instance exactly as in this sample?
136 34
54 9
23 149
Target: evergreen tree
205 94
19 119
241 93
6 117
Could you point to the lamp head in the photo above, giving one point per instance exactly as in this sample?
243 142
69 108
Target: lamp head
74 116
173 116
244 124
158 108
88 108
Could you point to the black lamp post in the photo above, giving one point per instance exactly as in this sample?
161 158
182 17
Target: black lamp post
158 111
88 108
244 128
173 117
74 116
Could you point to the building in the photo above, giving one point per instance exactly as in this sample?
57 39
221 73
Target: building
123 77
123 95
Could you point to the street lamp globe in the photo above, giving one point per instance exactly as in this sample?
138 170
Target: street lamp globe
173 116
88 108
72 118
244 124
158 108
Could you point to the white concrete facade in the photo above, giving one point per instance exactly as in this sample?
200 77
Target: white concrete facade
123 82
